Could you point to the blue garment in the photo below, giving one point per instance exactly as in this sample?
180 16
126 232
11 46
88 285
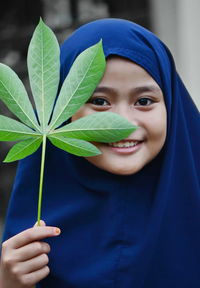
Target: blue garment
137 231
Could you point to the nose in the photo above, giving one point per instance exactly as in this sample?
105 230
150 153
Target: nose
127 112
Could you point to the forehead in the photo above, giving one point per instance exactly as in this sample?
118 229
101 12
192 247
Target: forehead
124 66
124 77
119 69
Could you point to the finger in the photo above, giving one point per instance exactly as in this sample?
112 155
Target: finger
31 235
30 251
33 278
31 265
41 223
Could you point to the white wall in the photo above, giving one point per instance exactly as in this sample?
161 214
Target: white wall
177 23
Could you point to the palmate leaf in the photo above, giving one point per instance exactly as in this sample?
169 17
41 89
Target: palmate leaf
75 146
12 130
85 74
82 79
23 149
100 127
44 70
43 66
14 95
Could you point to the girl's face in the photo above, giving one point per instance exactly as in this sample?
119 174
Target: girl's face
127 89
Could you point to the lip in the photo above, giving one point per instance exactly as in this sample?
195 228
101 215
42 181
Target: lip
126 150
129 140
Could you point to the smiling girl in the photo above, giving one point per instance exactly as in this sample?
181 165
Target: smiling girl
129 217
127 89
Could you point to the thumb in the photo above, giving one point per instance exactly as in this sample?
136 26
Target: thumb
41 223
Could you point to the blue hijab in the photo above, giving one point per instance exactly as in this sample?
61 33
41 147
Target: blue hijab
142 230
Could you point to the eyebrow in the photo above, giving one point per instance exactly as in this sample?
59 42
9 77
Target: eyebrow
139 89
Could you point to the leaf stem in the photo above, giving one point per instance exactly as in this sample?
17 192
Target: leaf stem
41 179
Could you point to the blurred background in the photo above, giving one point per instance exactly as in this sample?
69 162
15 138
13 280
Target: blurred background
176 22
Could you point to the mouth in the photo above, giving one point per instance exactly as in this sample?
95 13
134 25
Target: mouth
126 146
124 143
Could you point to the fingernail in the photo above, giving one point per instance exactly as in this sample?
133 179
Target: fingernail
57 231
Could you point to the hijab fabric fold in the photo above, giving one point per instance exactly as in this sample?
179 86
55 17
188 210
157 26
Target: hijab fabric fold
142 230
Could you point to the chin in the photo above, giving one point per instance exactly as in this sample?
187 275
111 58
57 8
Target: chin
119 169
123 172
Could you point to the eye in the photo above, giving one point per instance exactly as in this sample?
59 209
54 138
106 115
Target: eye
98 101
144 102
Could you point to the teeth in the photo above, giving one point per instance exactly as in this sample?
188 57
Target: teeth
123 144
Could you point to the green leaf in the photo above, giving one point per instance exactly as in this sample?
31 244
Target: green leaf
43 67
23 149
101 127
14 95
85 74
12 130
44 70
75 146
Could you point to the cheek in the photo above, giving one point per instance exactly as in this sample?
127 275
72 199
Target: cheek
76 116
83 111
154 124
158 127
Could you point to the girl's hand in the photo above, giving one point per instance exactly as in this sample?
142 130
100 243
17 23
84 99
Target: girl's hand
24 257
